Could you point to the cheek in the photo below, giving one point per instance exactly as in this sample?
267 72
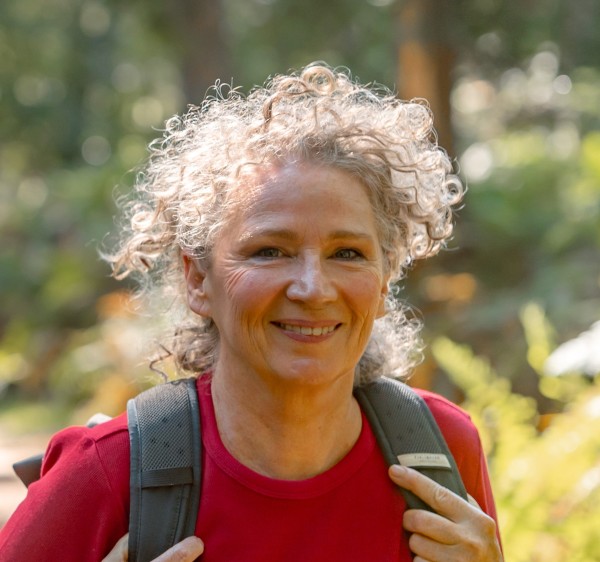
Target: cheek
366 294
233 282
248 290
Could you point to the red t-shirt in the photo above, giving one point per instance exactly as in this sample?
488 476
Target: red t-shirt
79 508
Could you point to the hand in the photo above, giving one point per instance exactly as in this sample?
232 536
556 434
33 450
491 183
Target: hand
458 531
185 551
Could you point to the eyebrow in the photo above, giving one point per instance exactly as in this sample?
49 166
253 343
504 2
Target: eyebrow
290 235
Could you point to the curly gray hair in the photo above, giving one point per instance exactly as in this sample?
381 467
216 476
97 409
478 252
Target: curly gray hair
186 193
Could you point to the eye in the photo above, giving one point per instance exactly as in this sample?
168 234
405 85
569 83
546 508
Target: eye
348 254
269 253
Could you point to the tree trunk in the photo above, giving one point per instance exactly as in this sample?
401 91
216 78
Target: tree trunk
199 26
426 58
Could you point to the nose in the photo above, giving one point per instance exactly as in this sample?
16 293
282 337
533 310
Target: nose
311 282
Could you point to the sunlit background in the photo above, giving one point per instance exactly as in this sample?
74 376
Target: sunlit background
511 309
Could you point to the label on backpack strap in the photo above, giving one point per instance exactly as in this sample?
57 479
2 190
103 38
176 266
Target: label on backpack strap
424 460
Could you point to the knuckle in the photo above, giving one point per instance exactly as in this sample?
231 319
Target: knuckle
482 538
490 524
412 520
441 495
179 555
487 526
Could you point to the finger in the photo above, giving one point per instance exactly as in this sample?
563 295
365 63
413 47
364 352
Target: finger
431 525
439 498
467 533
428 550
120 552
185 551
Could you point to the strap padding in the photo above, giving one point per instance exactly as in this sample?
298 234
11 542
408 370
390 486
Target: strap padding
164 433
404 425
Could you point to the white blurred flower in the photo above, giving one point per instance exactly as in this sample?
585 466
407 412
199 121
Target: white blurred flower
579 355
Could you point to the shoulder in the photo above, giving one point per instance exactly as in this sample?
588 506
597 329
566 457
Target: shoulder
108 439
96 457
464 443
456 426
448 415
79 507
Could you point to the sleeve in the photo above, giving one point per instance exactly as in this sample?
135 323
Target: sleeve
79 508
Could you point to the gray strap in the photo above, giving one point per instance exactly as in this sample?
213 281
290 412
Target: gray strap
28 470
408 434
165 472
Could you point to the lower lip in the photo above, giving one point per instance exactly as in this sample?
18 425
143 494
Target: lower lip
306 338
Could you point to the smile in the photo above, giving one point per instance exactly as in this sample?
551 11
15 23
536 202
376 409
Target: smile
307 330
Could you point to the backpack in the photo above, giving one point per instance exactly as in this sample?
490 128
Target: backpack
165 473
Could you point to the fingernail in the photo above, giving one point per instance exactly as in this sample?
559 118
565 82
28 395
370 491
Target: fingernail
194 545
398 470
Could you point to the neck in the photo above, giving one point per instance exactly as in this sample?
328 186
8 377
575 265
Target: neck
290 432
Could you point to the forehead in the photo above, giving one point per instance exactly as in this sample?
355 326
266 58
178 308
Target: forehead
306 203
299 187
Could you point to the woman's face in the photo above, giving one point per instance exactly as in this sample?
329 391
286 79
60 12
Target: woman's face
296 278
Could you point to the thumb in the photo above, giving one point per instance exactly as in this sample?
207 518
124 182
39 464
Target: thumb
120 551
185 551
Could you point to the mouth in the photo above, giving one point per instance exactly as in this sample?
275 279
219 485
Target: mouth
307 330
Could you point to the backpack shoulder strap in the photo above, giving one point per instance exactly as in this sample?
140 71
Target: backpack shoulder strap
165 472
408 434
28 470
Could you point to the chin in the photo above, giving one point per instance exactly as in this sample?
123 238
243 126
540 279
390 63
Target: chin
311 374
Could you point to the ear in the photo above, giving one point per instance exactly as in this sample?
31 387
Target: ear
385 288
196 284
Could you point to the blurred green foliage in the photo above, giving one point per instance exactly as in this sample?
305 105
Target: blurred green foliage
84 86
530 230
545 469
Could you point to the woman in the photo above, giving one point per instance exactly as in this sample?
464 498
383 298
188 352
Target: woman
282 219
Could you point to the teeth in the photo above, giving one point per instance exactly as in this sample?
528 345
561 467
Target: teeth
306 331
